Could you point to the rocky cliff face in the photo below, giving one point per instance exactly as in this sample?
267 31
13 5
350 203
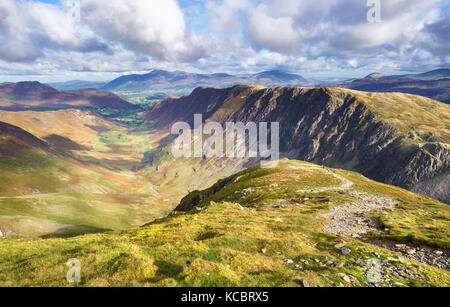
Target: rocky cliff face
333 127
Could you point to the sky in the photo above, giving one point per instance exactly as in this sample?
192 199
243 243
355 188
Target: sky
59 40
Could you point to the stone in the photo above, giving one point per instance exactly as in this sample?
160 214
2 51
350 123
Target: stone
400 245
341 245
263 251
305 283
288 261
439 253
188 263
346 251
345 277
411 251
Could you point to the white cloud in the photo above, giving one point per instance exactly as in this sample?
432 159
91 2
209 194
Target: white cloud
28 28
156 28
436 36
251 35
274 33
225 16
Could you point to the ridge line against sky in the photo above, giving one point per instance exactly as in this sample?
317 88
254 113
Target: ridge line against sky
58 40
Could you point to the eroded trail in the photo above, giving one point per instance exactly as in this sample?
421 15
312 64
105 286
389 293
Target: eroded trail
348 220
346 184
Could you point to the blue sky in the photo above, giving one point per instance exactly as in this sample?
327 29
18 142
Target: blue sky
45 40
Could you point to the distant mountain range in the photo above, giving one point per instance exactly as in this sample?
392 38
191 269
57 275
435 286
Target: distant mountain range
33 95
427 76
74 85
160 79
434 84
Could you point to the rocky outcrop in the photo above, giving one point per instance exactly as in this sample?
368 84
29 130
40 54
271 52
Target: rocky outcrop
325 126
195 198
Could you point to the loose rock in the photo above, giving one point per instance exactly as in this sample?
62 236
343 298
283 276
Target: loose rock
188 263
346 251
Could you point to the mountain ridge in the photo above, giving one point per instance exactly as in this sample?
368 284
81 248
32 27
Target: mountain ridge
394 138
73 85
33 95
159 79
433 84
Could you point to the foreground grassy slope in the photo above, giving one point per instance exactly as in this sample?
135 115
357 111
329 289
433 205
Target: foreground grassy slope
252 226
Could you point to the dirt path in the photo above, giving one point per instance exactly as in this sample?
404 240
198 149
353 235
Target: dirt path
349 221
346 184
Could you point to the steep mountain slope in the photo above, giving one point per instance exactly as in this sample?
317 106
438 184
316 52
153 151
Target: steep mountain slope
34 95
261 227
12 138
160 79
394 138
82 132
434 84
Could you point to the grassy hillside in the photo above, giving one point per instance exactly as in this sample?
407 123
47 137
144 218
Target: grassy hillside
75 175
261 227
